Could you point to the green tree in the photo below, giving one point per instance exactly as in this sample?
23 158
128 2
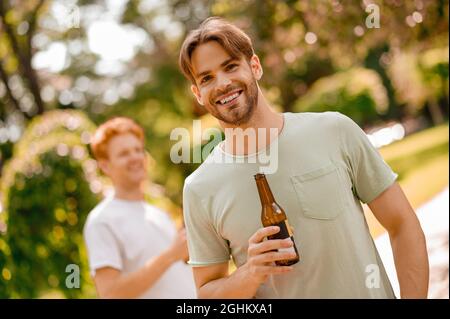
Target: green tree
49 187
301 41
421 80
358 93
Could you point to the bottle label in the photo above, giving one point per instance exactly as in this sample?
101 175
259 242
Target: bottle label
285 230
287 250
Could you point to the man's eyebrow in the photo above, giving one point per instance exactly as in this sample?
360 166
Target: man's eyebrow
222 65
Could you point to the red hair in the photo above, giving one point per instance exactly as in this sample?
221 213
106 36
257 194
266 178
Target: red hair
111 128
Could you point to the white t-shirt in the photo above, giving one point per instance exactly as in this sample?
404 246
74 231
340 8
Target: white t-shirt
125 234
323 166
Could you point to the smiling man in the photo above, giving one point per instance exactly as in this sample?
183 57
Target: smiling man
326 167
134 248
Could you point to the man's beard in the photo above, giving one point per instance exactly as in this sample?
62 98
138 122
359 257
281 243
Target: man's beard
241 112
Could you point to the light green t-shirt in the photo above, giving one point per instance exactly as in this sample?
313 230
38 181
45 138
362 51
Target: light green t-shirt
325 167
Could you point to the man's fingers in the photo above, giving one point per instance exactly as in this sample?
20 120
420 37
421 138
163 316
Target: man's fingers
269 245
262 233
272 257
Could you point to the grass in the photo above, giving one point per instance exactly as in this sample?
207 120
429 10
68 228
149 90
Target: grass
421 160
408 155
416 143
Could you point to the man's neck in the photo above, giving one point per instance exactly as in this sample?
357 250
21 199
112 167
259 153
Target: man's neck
129 193
262 128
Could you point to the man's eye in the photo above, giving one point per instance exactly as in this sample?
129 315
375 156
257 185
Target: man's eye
205 79
231 67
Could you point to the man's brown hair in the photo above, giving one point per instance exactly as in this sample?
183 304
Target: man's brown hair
111 128
230 37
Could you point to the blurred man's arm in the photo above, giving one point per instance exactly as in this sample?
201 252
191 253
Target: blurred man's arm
394 212
112 283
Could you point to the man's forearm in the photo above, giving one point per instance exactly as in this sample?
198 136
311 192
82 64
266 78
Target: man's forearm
134 284
237 285
411 260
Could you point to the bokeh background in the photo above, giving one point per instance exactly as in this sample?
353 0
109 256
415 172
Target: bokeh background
68 65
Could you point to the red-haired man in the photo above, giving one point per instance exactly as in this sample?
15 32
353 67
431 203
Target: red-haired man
134 248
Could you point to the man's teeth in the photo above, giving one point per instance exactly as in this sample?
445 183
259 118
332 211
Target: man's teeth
229 98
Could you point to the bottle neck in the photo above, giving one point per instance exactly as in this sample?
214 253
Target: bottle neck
265 193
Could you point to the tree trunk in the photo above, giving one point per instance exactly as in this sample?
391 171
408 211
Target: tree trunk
435 111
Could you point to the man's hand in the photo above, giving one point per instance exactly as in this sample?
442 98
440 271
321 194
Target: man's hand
178 250
262 254
214 281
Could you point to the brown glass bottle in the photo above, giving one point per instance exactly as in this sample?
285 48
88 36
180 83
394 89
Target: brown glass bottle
273 215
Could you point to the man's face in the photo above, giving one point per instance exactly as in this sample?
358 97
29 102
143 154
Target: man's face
126 163
225 86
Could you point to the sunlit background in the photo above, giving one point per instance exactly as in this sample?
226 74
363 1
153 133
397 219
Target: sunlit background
68 65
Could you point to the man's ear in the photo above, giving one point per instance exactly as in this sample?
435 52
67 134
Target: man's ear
196 92
256 67
103 164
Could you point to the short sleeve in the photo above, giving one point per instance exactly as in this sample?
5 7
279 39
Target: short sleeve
205 244
370 174
102 246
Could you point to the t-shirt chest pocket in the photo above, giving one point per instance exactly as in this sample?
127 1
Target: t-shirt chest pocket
319 192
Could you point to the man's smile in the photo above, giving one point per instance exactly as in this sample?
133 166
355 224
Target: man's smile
229 98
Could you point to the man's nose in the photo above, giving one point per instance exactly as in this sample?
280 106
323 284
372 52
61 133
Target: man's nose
222 81
136 155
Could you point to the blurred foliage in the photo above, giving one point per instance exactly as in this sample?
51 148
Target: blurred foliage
420 79
299 42
340 37
317 55
357 93
49 186
434 66
5 273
